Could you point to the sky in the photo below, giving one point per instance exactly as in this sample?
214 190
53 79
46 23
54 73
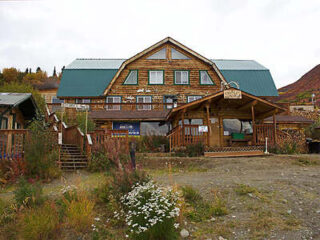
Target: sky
282 35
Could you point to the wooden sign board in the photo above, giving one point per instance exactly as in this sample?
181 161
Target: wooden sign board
77 106
232 94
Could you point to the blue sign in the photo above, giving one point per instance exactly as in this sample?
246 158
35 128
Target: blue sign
132 127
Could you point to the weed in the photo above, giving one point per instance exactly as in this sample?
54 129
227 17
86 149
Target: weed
218 207
243 189
40 223
301 161
79 213
99 162
191 195
28 194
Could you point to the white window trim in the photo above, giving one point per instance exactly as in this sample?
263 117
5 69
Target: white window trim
210 79
144 107
182 83
161 82
113 107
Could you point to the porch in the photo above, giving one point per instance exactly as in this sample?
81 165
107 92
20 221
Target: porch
214 112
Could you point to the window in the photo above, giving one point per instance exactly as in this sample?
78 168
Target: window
113 99
82 100
193 98
143 99
236 126
132 78
156 77
57 100
177 55
195 121
181 77
4 123
170 99
153 129
205 79
159 55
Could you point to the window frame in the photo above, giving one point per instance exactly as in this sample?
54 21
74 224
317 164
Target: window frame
181 70
132 84
146 104
82 99
113 106
193 96
206 84
156 70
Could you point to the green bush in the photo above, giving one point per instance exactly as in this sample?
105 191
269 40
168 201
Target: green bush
191 150
152 143
285 148
28 194
40 223
41 152
99 162
191 195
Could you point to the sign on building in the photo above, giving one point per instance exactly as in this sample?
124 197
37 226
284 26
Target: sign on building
132 127
232 94
203 128
77 106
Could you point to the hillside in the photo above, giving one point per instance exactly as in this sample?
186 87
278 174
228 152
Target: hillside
301 90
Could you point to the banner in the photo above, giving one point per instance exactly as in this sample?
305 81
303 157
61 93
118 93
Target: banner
132 127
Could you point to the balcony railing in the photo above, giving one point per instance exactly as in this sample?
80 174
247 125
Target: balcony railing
155 106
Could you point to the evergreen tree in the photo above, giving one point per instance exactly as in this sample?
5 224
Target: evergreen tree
30 70
38 69
26 71
54 72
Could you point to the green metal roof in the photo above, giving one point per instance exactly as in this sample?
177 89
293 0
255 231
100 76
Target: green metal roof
86 77
255 82
84 82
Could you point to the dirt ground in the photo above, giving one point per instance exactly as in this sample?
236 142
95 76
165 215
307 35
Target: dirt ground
285 203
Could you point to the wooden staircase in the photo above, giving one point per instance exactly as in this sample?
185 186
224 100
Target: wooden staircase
71 158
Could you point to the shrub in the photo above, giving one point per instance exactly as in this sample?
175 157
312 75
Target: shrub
40 223
219 207
27 194
151 212
12 169
243 189
191 150
40 152
79 213
152 143
99 162
123 181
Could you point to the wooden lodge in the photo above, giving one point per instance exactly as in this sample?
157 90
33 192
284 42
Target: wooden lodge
169 89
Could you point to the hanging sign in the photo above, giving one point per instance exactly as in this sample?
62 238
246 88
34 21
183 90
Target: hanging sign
203 128
232 94
77 106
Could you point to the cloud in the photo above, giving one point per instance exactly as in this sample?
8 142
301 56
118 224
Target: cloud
282 34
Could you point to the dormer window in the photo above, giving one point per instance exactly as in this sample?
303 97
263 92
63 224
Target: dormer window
132 78
205 79
181 77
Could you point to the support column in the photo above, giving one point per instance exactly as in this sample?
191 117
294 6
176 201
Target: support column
9 140
274 129
254 134
183 130
221 131
208 123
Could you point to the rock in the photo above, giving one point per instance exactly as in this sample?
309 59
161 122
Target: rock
184 233
284 201
233 207
212 219
318 211
221 238
289 211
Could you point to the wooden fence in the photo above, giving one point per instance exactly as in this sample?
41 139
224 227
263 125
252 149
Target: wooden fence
185 135
12 143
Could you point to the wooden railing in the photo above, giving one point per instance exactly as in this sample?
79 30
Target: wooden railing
262 131
12 143
121 106
185 135
99 137
73 135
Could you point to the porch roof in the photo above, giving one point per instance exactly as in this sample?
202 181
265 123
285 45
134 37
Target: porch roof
129 115
263 108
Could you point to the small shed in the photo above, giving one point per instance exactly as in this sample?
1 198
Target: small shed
16 110
285 122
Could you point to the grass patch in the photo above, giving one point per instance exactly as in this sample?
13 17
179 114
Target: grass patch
243 189
201 209
303 161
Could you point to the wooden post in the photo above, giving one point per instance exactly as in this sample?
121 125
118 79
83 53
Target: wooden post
274 129
208 123
9 140
221 131
183 130
253 126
